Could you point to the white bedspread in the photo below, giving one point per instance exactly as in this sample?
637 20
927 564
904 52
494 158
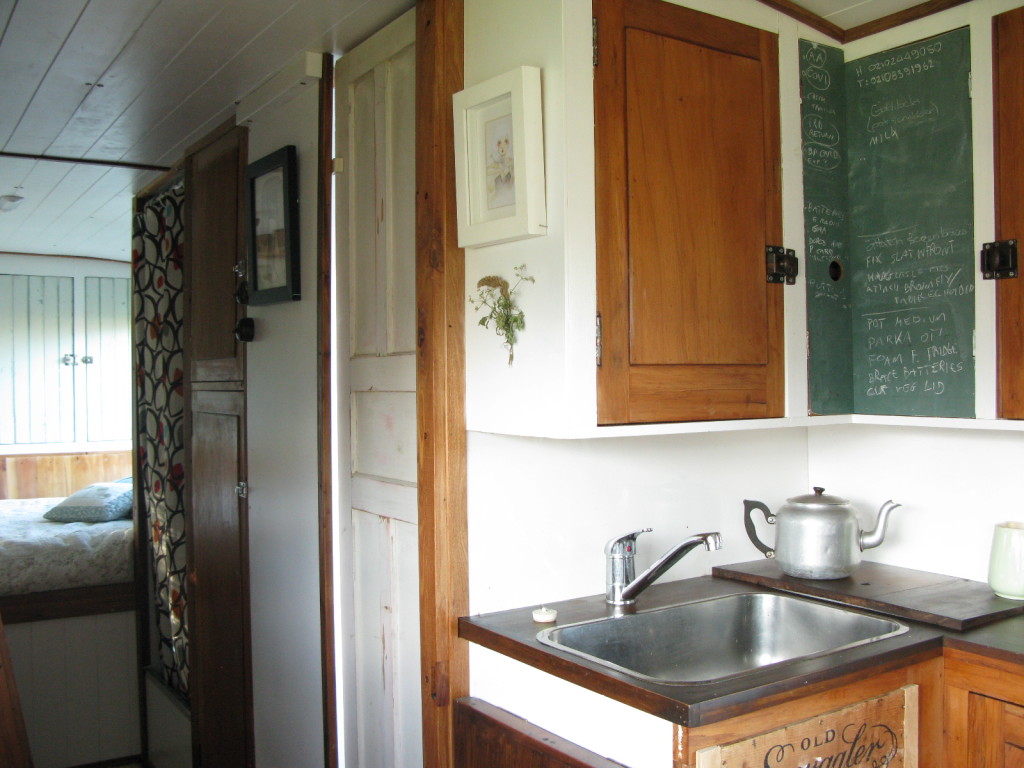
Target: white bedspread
37 555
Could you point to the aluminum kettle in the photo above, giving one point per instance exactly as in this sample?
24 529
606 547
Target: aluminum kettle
818 535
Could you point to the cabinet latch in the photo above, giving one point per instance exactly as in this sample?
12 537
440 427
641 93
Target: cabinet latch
781 264
999 260
242 490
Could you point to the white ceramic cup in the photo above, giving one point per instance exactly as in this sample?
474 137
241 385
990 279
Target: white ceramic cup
1006 566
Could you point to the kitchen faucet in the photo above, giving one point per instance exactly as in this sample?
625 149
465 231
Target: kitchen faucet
621 588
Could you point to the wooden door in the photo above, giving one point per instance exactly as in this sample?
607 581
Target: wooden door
1009 124
215 254
218 601
688 197
376 127
995 733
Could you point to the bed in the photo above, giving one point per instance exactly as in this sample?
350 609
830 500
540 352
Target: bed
70 608
54 569
39 555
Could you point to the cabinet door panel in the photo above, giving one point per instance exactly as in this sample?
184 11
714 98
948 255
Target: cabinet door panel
218 536
688 196
683 202
215 194
1009 119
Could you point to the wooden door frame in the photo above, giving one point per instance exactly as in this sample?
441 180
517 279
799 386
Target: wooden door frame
440 380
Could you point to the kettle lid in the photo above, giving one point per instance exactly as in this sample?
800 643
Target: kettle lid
818 497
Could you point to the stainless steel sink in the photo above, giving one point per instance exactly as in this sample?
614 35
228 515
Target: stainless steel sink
718 638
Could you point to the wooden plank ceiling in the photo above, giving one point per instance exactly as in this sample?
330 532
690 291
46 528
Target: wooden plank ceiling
126 86
134 83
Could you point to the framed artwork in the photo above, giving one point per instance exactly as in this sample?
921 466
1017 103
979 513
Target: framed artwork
499 159
272 196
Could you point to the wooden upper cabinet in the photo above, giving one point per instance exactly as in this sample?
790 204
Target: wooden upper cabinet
688 197
215 196
1008 31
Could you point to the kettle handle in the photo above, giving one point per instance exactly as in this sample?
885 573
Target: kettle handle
748 523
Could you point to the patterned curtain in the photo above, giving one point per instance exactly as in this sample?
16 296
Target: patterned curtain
158 247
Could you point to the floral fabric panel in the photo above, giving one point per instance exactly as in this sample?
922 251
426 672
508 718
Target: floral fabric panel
158 250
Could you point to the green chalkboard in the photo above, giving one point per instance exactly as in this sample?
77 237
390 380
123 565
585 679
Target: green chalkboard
889 243
911 228
826 231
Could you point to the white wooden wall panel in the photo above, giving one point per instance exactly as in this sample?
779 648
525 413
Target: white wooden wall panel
384 435
400 138
362 217
108 344
78 685
405 625
40 408
376 213
387 641
6 360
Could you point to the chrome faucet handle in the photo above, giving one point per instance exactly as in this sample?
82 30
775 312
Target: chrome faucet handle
624 545
619 567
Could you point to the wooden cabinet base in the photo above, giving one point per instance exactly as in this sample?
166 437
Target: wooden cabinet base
920 715
984 711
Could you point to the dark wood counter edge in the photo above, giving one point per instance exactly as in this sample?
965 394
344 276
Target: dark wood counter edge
699 704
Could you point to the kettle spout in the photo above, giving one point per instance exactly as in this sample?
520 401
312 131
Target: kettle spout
874 537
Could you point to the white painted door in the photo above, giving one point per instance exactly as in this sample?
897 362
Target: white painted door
375 143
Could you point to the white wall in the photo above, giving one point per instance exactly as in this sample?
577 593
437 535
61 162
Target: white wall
540 510
283 481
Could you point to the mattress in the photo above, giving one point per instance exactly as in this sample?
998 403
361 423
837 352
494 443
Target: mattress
37 555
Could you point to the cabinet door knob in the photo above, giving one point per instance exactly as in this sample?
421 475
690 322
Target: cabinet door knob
245 329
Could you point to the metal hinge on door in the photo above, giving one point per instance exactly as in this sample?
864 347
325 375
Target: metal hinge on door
242 490
781 264
593 39
597 349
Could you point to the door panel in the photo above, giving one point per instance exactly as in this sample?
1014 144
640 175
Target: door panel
688 197
376 230
214 176
685 201
107 358
220 680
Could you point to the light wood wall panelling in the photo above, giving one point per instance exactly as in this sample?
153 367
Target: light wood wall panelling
33 476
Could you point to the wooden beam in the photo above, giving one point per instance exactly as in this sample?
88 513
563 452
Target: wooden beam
901 17
325 417
812 20
440 380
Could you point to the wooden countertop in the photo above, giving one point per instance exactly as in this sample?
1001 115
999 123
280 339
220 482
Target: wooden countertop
513 633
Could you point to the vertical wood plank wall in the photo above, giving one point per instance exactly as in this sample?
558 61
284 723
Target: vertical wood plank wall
78 683
59 474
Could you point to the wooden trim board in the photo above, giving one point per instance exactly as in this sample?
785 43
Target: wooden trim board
440 380
325 416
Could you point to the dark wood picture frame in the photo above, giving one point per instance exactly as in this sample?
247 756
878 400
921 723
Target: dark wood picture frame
272 228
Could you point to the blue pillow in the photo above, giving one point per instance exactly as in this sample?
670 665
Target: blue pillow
96 503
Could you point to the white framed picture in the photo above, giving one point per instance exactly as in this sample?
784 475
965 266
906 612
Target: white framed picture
499 159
